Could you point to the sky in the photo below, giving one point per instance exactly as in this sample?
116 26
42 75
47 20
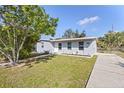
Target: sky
95 20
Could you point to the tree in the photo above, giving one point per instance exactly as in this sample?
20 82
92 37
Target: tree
119 39
111 40
101 43
21 27
77 34
69 33
83 34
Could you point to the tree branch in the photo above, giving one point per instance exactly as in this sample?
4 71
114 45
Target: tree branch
6 55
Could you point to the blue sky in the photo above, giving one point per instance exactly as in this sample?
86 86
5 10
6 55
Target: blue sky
95 20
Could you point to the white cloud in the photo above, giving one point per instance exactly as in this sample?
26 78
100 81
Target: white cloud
88 20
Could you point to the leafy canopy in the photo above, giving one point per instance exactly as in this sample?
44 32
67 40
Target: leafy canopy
111 40
21 27
69 33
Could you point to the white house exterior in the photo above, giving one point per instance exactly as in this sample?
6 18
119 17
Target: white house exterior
76 46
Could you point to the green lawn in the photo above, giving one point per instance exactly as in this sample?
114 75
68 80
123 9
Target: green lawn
60 71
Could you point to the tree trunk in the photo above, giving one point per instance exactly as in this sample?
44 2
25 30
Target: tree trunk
18 51
8 57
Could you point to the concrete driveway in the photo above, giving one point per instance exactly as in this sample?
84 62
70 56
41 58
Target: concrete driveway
108 72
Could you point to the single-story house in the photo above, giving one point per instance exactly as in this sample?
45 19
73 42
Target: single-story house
75 46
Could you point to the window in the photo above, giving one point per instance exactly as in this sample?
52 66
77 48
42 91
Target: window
69 45
81 45
42 45
60 46
87 44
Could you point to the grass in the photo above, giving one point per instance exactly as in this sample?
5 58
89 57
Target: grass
60 71
121 54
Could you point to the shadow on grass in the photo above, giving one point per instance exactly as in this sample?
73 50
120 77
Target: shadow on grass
30 62
39 60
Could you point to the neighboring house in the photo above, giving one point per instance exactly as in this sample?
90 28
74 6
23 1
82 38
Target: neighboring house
76 46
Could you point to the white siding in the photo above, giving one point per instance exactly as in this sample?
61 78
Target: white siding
90 47
74 49
47 46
